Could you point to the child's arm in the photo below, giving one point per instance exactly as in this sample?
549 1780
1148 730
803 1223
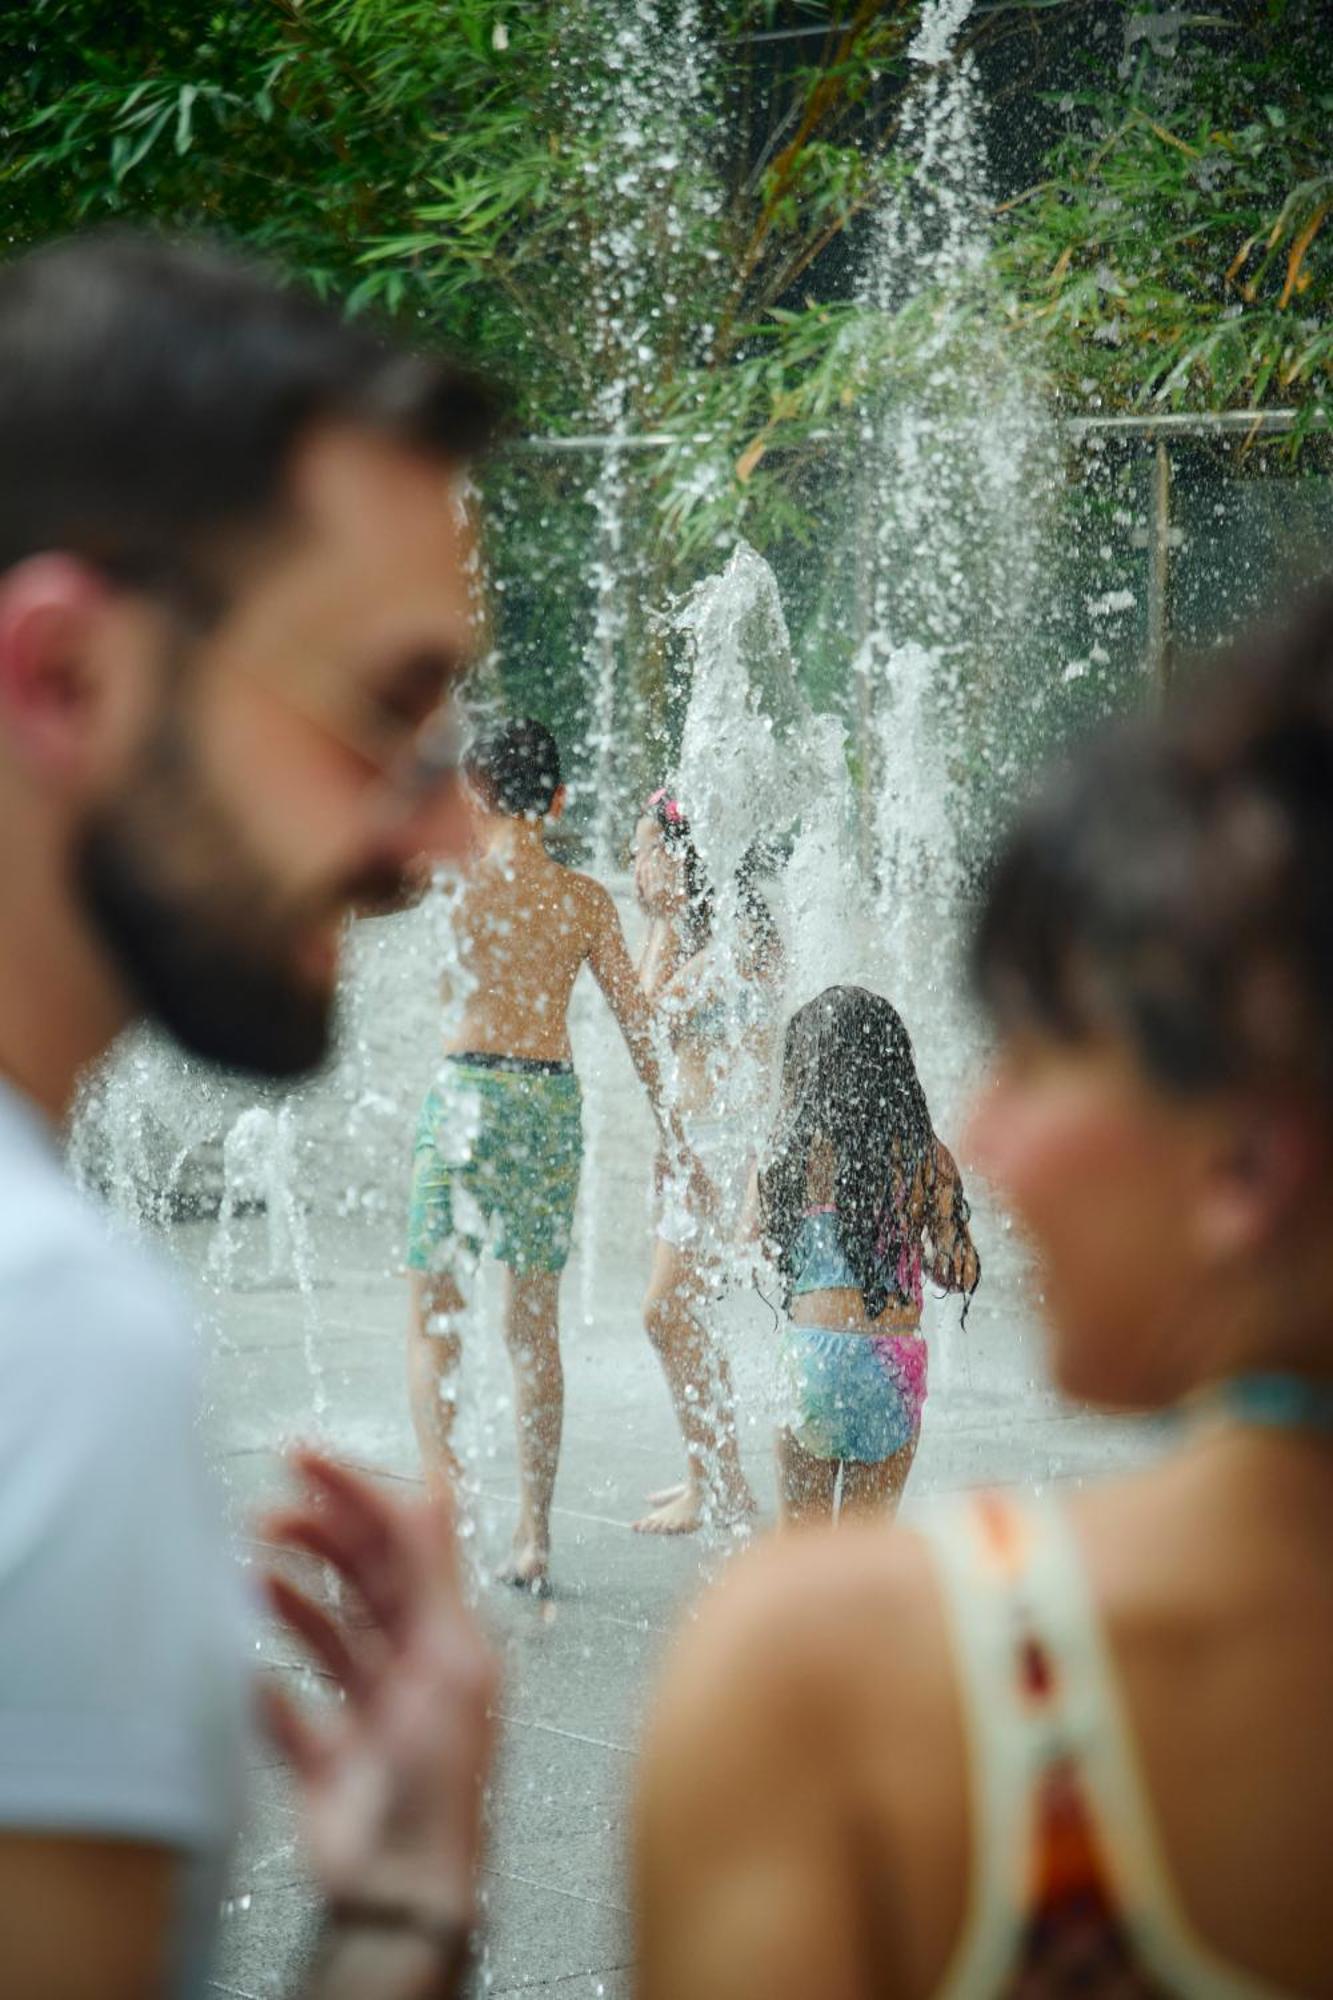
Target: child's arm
750 1229
614 972
956 1264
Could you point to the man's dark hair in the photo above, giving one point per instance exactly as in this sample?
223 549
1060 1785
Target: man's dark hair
151 395
516 767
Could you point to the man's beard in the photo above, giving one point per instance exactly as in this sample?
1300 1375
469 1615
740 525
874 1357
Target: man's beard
195 929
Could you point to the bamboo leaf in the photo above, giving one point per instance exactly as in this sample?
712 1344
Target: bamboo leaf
184 114
1298 250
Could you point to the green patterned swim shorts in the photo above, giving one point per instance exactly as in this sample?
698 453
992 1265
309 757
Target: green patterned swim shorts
496 1163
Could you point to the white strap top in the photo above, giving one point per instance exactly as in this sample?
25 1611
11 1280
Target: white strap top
1070 1891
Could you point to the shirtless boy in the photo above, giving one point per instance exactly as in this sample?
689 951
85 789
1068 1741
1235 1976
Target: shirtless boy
500 1138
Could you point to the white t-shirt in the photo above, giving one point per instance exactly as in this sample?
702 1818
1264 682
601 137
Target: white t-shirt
124 1635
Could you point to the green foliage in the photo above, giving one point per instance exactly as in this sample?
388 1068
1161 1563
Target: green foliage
645 247
455 166
1178 249
625 241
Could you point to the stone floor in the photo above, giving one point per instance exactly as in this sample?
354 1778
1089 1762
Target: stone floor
577 1669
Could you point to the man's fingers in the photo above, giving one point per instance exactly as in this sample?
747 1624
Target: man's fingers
294 1738
319 1632
367 1521
402 1558
351 1491
414 1543
314 1535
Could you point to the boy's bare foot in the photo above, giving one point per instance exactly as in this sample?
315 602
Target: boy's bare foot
665 1494
528 1568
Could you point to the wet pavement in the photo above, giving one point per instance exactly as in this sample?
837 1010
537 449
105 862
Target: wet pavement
576 1669
326 1360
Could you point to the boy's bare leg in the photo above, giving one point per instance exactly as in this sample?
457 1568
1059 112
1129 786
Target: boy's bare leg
532 1332
701 1393
434 1353
876 1489
806 1484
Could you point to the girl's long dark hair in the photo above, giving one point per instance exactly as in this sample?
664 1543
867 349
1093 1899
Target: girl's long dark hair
761 940
760 932
849 1079
679 841
1171 887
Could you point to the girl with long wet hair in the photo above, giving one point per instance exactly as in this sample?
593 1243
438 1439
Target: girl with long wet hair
1080 1740
716 1011
858 1203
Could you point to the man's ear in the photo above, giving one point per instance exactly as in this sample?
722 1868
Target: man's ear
557 805
50 694
1257 1176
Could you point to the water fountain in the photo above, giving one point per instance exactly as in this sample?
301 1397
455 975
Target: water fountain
946 484
956 466
639 79
958 463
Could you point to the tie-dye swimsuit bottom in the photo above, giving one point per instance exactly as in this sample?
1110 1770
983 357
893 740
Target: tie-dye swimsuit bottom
853 1395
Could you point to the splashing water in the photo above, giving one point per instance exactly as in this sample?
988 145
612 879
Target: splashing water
934 38
959 458
758 769
641 79
763 781
958 454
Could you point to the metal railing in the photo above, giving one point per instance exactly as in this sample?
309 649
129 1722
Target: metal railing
1163 424
1161 428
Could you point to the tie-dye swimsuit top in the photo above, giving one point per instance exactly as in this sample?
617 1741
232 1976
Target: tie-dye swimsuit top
819 1262
1070 1893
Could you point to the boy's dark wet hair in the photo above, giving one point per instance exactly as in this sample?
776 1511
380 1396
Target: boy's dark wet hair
1172 888
849 1080
516 768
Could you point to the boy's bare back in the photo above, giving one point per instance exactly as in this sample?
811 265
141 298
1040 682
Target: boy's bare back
525 926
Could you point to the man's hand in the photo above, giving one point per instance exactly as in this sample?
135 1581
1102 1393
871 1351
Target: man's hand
390 1783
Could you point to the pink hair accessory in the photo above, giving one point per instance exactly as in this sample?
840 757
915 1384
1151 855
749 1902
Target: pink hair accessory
661 797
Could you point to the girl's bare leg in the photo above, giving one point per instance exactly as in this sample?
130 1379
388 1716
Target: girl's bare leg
806 1485
876 1489
434 1353
701 1393
532 1333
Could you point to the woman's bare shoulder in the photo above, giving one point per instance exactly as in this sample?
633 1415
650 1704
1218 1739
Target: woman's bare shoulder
821 1619
809 1711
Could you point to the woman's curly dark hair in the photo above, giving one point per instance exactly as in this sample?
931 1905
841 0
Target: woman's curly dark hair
849 1079
1171 887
